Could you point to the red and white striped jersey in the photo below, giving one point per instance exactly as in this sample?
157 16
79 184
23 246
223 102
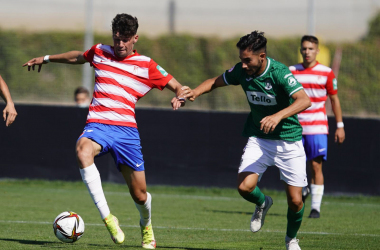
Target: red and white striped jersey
318 82
120 83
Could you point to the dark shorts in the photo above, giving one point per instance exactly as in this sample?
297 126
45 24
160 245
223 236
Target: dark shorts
315 145
122 142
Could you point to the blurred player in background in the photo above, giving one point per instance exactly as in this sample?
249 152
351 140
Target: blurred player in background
275 97
82 97
122 77
319 82
9 113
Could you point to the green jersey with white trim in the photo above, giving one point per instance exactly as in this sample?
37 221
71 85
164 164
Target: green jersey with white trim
267 94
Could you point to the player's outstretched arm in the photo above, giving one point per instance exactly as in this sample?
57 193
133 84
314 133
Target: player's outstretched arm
177 101
9 113
71 57
301 102
340 134
204 87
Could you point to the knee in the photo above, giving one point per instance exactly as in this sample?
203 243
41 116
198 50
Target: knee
139 196
84 153
245 189
296 203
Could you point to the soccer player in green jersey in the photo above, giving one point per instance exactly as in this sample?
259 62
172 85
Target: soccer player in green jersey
275 135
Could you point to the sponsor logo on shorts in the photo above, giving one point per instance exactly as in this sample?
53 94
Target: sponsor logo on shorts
261 98
321 150
138 165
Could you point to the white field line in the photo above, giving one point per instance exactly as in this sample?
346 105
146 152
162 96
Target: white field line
219 198
198 229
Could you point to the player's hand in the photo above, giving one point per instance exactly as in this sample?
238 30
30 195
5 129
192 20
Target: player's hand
269 123
178 102
35 61
188 93
9 114
340 135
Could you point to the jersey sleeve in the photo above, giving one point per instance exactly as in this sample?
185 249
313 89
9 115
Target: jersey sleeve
158 77
331 84
89 54
289 83
231 76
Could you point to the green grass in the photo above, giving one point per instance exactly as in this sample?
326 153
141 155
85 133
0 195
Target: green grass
183 218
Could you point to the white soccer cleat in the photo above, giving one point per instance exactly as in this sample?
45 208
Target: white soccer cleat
258 217
292 245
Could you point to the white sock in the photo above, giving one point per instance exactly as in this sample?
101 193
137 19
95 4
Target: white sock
91 179
316 196
145 211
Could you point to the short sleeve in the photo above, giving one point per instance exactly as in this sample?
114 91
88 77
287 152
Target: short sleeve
89 54
232 76
289 83
158 77
331 84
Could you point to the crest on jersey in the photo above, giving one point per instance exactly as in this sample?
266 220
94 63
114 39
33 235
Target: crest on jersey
268 85
335 84
292 81
162 71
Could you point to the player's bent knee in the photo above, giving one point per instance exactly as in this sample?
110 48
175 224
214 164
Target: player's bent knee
244 189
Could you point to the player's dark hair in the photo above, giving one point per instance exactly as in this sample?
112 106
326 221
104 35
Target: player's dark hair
311 39
81 90
125 24
254 42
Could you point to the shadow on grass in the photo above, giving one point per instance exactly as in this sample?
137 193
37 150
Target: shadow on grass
240 212
30 242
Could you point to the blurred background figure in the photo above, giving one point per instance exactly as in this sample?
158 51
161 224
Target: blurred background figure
82 97
9 113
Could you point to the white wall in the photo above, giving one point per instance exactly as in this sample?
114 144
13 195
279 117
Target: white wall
337 20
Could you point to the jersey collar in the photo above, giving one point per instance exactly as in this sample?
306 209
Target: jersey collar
266 68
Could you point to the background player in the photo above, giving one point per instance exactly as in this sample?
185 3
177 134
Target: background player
275 97
122 77
82 97
9 113
318 81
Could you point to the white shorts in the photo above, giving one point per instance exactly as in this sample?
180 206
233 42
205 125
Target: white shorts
288 156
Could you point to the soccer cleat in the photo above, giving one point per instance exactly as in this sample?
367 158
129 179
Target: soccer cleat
112 224
305 193
148 241
314 214
292 245
258 217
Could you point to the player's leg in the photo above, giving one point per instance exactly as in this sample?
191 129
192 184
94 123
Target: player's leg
317 187
87 149
143 201
291 161
254 162
248 189
295 213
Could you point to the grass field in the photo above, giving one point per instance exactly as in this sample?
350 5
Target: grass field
183 218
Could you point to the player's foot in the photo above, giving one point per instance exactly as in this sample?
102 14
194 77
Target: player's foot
292 244
258 217
148 241
305 193
314 214
112 224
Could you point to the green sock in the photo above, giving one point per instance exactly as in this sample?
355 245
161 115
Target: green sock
256 196
294 222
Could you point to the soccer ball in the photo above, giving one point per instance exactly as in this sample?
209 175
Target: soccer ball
68 227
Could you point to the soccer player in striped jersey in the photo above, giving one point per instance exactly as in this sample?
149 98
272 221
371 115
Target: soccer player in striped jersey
9 112
275 97
319 82
122 77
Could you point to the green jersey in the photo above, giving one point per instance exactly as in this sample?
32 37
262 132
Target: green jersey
267 94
